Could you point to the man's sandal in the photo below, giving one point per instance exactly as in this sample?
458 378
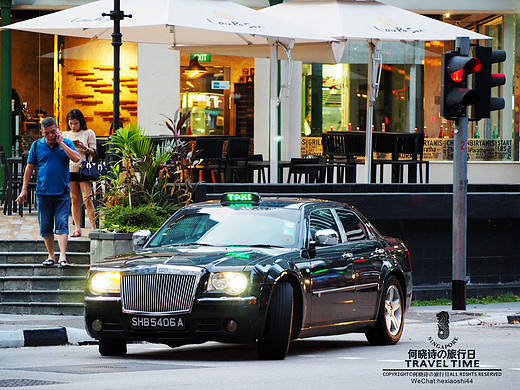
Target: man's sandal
48 263
63 264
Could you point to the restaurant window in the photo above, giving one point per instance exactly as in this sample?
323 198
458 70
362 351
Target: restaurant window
54 74
335 96
207 97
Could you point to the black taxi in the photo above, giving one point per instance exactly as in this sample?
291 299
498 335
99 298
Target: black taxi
254 270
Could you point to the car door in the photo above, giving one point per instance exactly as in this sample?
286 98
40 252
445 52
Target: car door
332 274
367 256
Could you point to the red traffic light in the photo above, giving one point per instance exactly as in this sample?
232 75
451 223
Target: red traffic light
455 94
459 67
485 80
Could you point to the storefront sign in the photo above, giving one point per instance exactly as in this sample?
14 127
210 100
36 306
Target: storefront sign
203 57
311 146
478 149
219 84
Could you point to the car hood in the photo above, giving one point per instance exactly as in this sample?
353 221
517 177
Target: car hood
211 258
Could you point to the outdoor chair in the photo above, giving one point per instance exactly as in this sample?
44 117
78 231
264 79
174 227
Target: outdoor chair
208 152
7 184
302 168
235 163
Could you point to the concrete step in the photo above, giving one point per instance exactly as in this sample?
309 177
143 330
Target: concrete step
42 296
73 245
51 282
42 308
35 257
28 270
27 287
50 294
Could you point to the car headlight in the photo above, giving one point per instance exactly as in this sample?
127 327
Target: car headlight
231 282
105 282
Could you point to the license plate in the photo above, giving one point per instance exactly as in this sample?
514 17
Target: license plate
171 323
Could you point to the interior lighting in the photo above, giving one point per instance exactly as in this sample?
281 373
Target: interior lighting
194 70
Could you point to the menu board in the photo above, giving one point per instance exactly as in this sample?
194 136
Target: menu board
311 146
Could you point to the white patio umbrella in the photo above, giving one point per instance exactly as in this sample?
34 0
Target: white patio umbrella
178 22
371 21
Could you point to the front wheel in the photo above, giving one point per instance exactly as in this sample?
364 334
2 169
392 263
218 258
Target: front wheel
390 319
274 343
112 347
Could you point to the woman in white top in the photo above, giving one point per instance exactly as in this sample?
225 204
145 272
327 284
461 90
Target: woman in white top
85 142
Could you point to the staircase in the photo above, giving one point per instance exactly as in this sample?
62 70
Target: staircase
27 287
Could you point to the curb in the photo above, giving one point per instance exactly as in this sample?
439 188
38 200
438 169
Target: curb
42 337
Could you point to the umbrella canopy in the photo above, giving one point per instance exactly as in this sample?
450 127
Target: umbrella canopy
351 19
372 21
174 22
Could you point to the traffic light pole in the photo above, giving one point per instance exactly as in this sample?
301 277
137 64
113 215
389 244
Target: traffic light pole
460 194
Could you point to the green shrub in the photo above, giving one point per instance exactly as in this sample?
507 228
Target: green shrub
469 301
128 219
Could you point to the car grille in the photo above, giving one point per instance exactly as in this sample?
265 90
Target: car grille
159 293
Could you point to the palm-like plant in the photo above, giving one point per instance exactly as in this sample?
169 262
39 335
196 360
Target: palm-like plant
140 174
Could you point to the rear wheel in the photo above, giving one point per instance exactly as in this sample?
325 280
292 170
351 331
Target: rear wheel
112 347
390 319
274 343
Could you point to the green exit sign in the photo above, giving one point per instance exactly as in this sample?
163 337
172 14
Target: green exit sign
203 57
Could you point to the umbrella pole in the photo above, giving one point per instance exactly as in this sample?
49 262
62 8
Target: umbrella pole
374 74
116 15
273 108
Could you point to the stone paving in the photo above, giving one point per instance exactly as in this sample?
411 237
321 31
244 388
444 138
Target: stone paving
14 227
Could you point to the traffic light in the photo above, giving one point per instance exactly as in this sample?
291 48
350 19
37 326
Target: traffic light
455 95
485 80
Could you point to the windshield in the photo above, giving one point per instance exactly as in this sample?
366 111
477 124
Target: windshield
231 226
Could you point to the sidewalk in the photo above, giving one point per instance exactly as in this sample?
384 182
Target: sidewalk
26 228
40 330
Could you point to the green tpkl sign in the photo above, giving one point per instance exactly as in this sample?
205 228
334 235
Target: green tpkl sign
203 57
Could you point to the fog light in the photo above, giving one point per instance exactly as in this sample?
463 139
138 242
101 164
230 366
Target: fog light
231 326
97 325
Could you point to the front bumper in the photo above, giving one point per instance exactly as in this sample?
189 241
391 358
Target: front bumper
206 322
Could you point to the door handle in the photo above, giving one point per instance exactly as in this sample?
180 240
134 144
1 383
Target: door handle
347 255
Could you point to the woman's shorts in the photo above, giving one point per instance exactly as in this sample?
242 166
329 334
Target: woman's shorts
74 176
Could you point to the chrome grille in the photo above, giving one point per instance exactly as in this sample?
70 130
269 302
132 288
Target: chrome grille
170 293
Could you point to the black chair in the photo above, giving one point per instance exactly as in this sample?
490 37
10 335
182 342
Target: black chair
31 186
235 163
258 168
208 153
7 187
303 168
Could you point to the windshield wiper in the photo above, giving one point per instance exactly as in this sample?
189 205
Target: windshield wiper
261 246
190 244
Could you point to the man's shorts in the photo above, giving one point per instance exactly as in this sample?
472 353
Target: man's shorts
53 213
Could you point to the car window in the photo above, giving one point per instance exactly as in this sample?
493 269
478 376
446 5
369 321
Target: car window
322 219
353 226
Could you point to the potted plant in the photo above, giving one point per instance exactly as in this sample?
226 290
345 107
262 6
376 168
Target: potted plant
145 184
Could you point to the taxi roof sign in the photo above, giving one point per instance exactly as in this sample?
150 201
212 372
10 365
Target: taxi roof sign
240 199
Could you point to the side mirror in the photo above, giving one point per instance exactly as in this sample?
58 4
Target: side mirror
140 237
327 237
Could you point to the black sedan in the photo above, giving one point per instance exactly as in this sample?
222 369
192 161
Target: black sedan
245 269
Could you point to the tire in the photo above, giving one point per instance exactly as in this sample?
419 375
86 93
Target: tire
390 319
274 343
112 347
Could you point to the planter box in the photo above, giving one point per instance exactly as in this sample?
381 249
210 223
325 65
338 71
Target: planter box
106 244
